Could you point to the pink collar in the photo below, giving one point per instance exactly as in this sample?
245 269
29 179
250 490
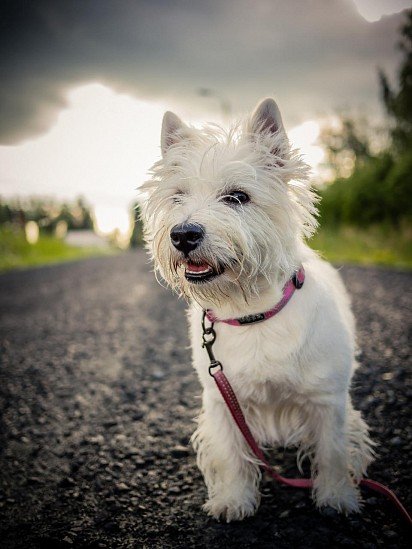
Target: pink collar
295 282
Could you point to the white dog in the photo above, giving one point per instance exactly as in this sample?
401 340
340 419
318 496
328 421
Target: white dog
226 216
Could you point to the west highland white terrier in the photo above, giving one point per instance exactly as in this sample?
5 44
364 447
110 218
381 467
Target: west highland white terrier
226 216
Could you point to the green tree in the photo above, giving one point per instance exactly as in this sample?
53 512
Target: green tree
136 240
6 214
376 187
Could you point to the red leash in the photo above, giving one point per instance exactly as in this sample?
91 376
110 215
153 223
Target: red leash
232 403
209 337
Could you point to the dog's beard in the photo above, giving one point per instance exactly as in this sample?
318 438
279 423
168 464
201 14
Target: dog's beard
226 282
236 270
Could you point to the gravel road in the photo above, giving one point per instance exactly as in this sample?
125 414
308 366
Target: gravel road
97 398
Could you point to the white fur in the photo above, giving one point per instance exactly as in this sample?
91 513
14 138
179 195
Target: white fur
292 372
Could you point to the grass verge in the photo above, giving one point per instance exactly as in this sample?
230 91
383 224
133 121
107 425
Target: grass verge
17 253
376 245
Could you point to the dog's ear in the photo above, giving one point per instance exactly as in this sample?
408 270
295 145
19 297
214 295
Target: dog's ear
266 120
173 131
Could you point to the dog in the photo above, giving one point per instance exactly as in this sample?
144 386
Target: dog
226 215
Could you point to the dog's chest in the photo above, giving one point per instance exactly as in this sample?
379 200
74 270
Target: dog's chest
260 360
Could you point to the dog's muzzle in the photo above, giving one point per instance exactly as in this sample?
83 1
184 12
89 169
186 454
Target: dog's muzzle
186 238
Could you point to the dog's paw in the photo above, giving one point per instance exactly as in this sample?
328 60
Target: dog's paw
231 508
344 497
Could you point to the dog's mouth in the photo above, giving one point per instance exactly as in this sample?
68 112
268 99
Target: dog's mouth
200 272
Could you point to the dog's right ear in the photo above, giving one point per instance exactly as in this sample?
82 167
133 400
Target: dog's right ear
266 122
266 118
173 131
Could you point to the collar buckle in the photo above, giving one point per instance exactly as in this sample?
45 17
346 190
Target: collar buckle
250 319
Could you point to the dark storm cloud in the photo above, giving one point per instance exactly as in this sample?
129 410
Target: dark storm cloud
313 55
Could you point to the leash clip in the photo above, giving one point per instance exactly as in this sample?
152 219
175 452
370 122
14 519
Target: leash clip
208 339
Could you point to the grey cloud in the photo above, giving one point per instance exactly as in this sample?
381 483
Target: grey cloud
313 56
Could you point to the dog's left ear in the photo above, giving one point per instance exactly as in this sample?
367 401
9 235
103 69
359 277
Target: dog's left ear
267 120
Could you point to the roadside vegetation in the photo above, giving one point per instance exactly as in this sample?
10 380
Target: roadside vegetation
32 232
17 253
375 245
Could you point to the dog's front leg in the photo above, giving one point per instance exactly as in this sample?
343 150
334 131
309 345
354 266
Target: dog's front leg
231 478
333 482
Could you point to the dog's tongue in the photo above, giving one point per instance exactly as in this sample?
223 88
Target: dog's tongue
197 268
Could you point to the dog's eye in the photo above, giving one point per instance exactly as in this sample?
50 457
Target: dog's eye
235 198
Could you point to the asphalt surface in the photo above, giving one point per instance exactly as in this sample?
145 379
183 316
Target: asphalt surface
97 398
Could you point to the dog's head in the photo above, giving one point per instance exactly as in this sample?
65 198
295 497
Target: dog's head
225 211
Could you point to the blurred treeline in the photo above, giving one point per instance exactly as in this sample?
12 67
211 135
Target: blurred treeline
47 213
373 166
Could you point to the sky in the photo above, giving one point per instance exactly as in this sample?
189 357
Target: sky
85 83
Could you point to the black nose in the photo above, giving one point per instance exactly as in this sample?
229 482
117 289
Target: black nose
186 237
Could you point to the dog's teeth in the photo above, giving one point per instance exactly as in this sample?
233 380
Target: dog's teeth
198 272
198 269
